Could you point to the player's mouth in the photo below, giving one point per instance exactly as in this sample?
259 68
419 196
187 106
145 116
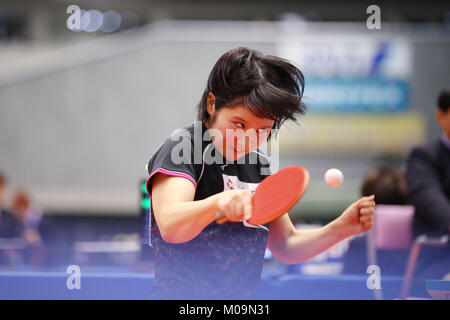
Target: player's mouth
240 151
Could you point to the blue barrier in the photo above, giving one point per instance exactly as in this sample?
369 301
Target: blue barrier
321 287
133 286
94 286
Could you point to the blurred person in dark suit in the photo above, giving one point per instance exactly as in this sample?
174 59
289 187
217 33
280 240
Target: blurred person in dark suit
7 220
428 176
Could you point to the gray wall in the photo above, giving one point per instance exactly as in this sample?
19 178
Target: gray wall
79 135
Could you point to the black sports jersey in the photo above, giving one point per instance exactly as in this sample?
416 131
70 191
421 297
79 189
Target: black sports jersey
223 261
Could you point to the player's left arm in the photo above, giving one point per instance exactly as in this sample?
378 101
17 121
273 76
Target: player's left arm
291 246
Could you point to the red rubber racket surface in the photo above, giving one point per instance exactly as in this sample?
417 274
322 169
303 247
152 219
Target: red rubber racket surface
278 193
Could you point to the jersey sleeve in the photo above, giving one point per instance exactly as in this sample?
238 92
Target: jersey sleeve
175 157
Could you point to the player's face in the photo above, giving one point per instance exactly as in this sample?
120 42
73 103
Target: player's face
239 131
443 119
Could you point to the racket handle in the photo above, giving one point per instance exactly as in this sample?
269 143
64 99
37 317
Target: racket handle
220 218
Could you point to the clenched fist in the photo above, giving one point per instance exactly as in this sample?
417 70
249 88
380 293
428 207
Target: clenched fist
234 205
358 217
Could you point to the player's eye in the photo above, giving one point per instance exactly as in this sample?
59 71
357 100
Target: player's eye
239 125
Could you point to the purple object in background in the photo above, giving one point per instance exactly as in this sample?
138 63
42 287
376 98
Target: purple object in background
393 226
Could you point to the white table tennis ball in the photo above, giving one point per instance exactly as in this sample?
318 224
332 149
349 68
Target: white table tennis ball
334 177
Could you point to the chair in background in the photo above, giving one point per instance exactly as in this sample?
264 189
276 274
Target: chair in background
419 243
392 231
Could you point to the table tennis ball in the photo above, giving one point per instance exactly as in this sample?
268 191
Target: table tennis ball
334 177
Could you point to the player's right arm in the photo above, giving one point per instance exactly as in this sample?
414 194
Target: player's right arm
180 218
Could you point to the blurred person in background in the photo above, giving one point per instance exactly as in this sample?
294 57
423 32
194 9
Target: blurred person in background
7 221
26 226
28 218
428 175
389 186
45 242
6 218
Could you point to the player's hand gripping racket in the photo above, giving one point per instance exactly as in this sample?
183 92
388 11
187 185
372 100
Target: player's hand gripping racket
276 195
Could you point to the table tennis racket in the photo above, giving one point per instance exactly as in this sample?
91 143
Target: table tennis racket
276 195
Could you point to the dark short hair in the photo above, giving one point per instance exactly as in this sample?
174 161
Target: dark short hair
388 184
444 100
269 86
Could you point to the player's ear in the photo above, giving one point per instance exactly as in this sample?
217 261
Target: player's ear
210 103
440 117
438 114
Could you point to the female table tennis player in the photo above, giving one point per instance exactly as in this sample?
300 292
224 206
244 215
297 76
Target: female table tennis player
197 258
